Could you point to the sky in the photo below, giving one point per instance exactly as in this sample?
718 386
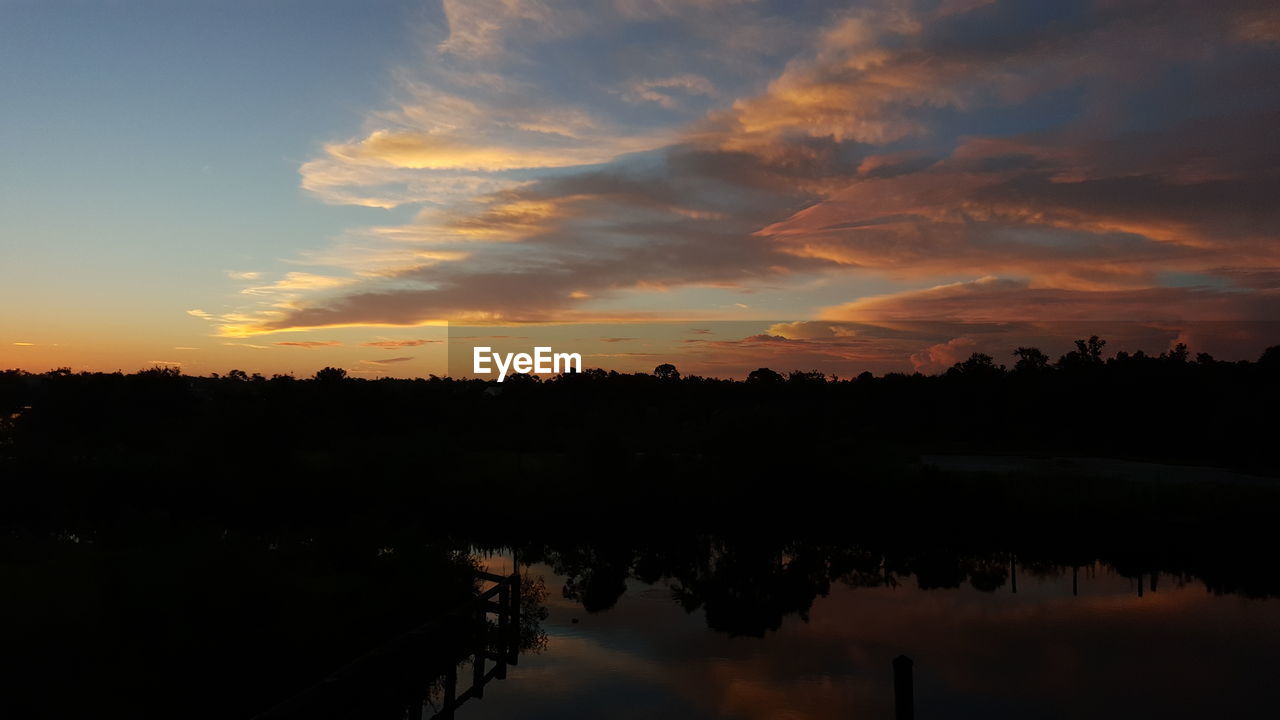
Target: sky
276 186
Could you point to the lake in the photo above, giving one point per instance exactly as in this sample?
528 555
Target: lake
812 635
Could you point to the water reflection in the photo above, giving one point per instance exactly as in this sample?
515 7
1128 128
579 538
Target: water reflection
718 628
744 630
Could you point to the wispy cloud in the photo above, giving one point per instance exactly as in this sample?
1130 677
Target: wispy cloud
309 343
992 299
388 361
296 281
393 344
441 147
668 91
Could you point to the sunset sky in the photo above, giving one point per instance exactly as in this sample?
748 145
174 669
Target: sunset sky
282 185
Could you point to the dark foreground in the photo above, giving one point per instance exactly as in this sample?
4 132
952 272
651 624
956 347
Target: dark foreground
213 547
658 625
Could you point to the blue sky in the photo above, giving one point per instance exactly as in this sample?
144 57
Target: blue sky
151 147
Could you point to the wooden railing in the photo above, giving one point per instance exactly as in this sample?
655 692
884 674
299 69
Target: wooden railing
396 680
502 600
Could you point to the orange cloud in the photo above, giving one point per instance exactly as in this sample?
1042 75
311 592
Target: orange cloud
941 356
393 344
309 343
992 299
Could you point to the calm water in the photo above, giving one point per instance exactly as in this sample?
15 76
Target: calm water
1025 646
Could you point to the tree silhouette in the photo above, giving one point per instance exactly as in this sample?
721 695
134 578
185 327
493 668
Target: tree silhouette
764 376
1030 359
331 374
978 364
161 371
666 371
1270 358
1177 355
1092 347
1087 353
801 377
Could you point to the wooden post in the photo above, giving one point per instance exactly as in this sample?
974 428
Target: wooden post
1075 580
450 692
477 668
903 694
513 639
504 630
477 674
